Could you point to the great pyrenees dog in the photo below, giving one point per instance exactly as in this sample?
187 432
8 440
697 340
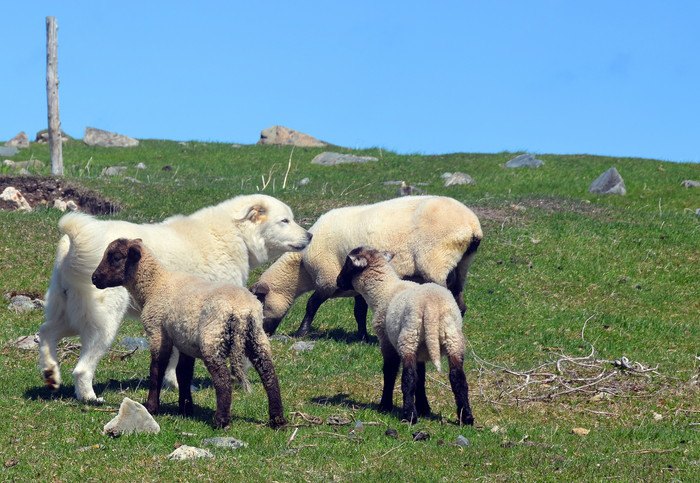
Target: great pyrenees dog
219 243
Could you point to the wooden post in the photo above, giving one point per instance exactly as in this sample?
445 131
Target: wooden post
55 138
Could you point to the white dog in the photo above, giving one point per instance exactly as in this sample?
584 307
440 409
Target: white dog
221 242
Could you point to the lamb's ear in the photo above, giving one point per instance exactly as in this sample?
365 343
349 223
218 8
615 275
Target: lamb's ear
260 288
388 256
134 253
359 262
256 214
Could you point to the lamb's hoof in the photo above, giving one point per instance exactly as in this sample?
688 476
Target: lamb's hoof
221 422
386 407
467 420
300 333
187 409
423 410
411 417
363 337
277 422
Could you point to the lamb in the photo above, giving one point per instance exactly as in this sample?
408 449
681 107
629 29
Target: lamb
414 323
212 321
434 239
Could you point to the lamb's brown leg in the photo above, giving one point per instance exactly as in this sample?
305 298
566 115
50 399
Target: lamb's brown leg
184 371
160 355
458 381
409 378
257 350
422 405
392 361
221 378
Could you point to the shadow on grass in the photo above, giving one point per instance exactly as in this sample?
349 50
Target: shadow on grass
345 401
340 335
66 393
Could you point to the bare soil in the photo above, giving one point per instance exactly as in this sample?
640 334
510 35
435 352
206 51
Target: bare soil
42 191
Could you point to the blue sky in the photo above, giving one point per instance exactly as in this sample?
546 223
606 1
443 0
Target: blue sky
619 78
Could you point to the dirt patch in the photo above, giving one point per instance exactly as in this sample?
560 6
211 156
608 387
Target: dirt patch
43 191
514 211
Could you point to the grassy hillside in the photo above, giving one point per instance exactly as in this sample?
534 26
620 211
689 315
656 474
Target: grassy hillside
561 272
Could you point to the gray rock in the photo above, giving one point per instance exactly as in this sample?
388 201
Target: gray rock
113 170
302 345
26 342
462 441
225 442
608 183
332 159
98 137
457 179
19 141
8 150
132 418
19 165
697 212
689 183
22 303
134 343
42 137
303 182
133 180
524 160
185 452
140 166
281 135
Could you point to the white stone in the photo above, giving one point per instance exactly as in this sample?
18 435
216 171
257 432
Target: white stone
132 418
185 452
13 195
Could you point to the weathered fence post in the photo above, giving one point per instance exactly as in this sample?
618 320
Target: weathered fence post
55 138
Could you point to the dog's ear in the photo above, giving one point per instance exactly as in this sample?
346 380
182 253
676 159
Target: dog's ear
256 214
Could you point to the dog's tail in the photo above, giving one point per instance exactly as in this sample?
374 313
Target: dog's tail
83 236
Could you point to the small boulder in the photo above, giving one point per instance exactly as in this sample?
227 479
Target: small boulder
689 183
132 418
524 161
26 342
34 164
42 137
8 150
113 170
140 166
281 135
302 345
303 182
452 179
333 159
462 441
225 442
185 452
23 303
13 196
19 141
98 137
608 183
62 205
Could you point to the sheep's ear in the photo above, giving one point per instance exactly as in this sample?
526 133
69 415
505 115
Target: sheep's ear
359 262
256 214
388 256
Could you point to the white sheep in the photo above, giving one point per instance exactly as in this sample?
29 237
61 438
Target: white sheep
434 239
414 323
213 321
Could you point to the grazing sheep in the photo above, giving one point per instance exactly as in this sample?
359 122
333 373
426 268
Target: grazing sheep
414 323
212 321
434 239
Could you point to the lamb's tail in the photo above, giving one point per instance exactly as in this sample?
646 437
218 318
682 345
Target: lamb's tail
432 325
239 364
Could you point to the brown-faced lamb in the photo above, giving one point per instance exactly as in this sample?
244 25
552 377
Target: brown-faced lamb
434 239
213 321
414 323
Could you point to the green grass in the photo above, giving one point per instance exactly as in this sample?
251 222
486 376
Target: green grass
554 256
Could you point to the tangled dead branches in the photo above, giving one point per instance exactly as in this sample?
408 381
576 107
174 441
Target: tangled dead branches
564 375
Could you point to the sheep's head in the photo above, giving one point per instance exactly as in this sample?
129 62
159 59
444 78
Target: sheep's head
357 261
275 305
118 263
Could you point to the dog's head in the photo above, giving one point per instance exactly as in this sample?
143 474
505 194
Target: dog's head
357 261
118 263
275 226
